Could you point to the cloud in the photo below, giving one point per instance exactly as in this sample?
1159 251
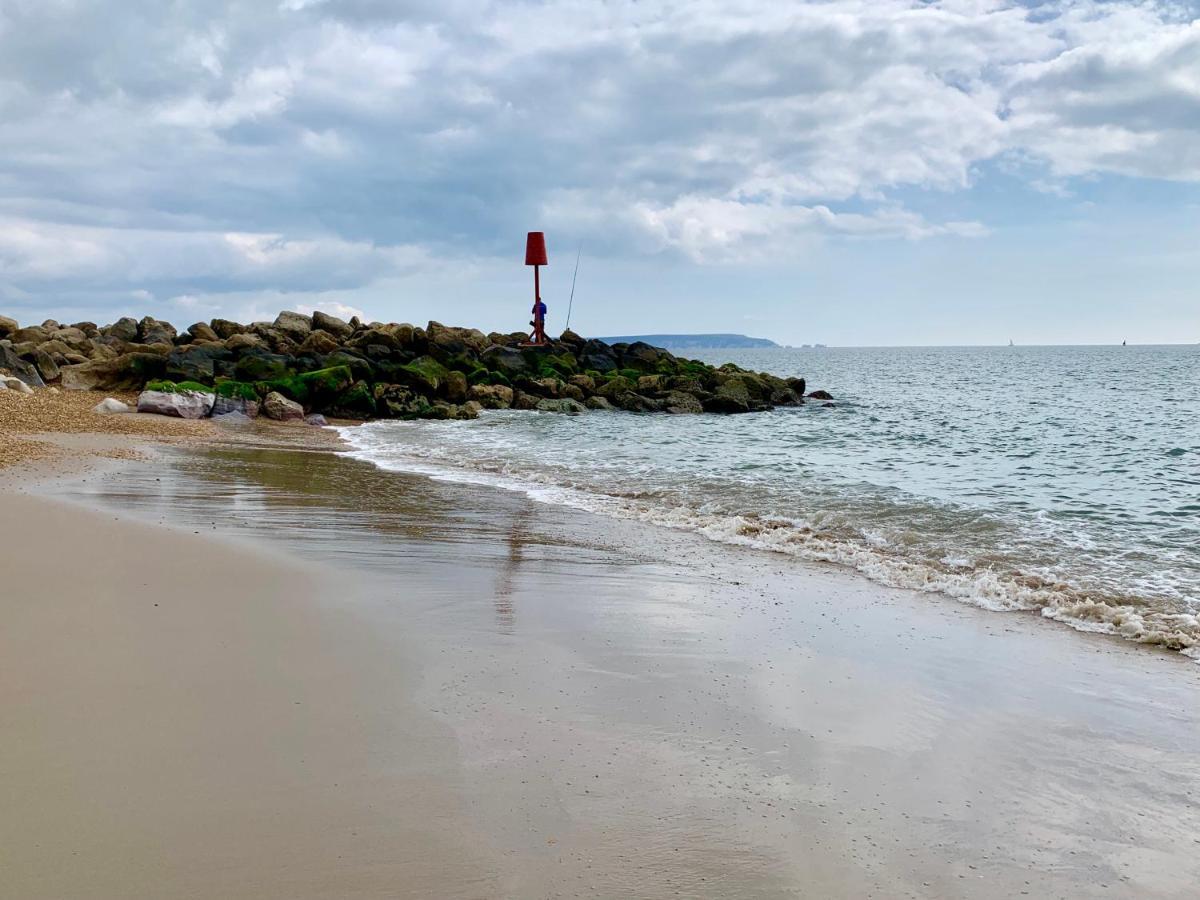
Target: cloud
216 147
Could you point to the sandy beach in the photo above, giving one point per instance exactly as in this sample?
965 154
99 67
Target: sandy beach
271 671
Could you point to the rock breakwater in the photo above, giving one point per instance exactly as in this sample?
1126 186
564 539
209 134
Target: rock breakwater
321 364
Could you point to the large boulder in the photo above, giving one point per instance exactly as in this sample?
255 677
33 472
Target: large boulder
562 405
225 329
491 396
46 365
598 403
257 364
319 342
679 403
196 362
507 360
12 383
127 372
202 333
8 326
154 331
598 357
731 397
11 363
632 402
280 408
124 329
236 343
180 404
295 325
641 356
399 401
223 406
331 325
30 334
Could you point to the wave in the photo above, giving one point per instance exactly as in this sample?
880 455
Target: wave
822 538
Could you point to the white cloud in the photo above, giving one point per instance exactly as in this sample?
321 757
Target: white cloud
193 149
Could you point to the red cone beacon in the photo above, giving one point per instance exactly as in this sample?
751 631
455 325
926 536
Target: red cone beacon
535 249
535 255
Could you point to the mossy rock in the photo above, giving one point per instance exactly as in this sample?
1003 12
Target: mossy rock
426 374
355 402
315 389
631 375
177 387
240 390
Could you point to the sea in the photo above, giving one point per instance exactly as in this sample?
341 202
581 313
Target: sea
1063 481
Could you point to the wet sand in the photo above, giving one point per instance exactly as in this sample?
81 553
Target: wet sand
360 684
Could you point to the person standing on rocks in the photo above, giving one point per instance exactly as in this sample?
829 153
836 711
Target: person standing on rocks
538 336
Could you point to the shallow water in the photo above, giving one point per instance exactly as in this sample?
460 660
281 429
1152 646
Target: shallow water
1059 479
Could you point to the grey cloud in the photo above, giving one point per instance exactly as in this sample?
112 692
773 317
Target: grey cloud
359 138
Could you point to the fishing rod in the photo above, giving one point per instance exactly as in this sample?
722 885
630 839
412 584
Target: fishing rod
571 303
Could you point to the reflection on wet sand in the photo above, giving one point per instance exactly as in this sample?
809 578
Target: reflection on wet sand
670 717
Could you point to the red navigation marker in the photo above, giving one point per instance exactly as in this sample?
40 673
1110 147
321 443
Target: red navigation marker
535 255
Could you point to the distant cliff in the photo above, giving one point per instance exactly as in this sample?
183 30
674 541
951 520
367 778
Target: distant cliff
693 341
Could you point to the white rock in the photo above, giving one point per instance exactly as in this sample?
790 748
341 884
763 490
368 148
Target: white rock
279 407
3 385
110 405
16 384
182 405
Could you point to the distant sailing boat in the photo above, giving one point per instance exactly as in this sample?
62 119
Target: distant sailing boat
1010 343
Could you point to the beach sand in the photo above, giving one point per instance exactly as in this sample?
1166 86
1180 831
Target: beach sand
246 671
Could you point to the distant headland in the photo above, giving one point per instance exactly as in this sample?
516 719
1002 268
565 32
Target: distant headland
693 341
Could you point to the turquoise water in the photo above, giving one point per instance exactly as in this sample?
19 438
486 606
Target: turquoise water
1065 480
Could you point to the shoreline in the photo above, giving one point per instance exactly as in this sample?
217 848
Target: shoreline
604 707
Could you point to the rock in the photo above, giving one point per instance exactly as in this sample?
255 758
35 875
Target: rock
317 420
182 404
153 331
356 401
679 403
257 364
124 329
109 406
731 397
491 396
399 401
651 383
319 342
128 372
46 365
562 405
31 334
202 333
585 383
614 386
295 325
598 356
507 360
598 403
798 385
12 383
196 362
820 395
280 408
238 342
224 406
3 385
8 326
12 363
331 325
631 402
640 355
225 329
456 387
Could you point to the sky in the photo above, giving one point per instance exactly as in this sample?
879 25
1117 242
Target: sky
848 172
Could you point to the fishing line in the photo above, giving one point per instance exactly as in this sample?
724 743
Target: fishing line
571 303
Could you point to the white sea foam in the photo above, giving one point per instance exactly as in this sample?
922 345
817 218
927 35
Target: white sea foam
823 537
